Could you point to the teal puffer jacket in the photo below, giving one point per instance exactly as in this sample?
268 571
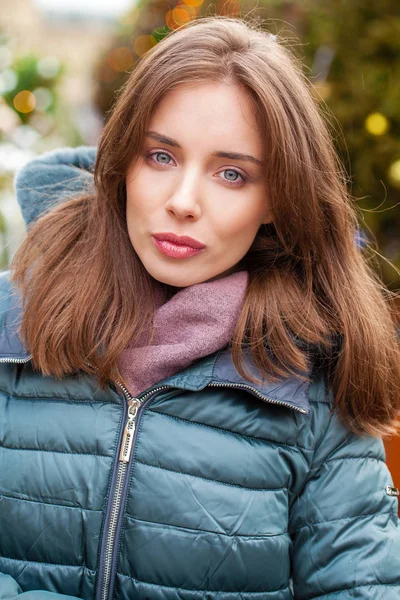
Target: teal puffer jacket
205 487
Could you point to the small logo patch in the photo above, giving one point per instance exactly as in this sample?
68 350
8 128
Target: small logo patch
392 491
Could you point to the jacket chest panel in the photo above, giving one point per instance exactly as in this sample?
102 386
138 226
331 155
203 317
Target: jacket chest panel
238 411
194 484
56 457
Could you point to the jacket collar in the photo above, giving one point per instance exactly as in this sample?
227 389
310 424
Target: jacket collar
217 369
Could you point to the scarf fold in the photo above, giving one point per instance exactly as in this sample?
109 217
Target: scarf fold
197 321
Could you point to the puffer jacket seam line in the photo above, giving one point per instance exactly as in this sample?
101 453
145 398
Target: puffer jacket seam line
94 510
262 536
56 451
171 587
353 458
40 562
64 400
240 487
230 432
374 514
395 584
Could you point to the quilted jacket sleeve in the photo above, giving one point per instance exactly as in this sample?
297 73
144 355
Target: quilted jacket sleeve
344 525
10 590
52 177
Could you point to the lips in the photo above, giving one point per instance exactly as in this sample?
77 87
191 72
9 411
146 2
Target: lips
180 240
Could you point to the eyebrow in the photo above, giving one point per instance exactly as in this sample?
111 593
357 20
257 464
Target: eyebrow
163 139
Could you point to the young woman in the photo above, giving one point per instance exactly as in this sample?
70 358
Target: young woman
197 362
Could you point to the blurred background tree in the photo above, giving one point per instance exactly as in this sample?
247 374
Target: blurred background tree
46 65
350 52
358 43
32 114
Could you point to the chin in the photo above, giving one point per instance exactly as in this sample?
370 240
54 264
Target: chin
179 280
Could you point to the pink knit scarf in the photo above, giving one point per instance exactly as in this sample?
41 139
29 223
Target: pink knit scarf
197 321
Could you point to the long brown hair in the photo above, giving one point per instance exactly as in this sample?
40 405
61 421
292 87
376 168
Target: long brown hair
312 294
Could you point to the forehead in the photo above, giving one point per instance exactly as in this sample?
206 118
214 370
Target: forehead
209 114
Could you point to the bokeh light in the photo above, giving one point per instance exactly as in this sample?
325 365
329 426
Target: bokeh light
143 43
8 81
377 124
177 17
48 67
121 59
24 102
5 57
25 136
192 10
8 118
44 98
194 3
394 173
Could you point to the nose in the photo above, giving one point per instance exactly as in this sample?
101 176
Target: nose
184 200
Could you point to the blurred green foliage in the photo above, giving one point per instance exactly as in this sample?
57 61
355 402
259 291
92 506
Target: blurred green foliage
28 78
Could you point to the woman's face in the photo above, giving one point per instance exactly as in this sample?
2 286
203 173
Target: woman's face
185 183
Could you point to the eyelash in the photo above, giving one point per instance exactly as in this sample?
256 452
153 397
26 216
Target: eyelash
149 156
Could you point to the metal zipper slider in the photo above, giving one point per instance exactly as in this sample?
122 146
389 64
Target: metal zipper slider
129 431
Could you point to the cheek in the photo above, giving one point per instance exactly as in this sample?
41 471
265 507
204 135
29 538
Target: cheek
241 225
137 203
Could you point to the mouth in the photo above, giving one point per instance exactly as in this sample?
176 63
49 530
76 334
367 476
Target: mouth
174 250
179 240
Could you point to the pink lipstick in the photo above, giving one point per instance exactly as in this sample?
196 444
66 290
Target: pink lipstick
176 246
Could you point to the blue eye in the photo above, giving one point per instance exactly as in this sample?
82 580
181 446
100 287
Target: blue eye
151 154
239 179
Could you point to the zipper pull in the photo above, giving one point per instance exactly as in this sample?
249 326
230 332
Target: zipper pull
129 431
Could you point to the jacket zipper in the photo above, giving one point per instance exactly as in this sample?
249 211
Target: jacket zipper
15 360
258 394
124 455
